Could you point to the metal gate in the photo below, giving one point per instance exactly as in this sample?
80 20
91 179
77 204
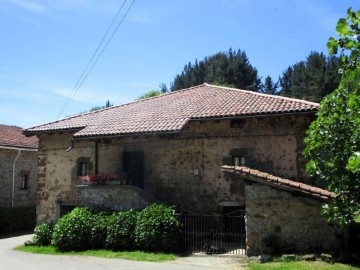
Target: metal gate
214 234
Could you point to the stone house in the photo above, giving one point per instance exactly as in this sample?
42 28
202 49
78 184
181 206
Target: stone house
18 167
206 149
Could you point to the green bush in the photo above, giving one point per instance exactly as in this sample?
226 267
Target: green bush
157 228
73 231
99 231
17 219
120 233
43 234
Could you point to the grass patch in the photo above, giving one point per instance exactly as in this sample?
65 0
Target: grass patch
317 265
128 255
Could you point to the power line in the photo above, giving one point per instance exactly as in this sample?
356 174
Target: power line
82 78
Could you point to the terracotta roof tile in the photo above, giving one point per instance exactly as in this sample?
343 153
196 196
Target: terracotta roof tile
11 136
281 183
170 112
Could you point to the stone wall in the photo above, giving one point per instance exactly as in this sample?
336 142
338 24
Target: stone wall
112 197
57 173
183 169
27 161
296 219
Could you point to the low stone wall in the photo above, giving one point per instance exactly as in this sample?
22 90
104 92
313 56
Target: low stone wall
296 219
112 197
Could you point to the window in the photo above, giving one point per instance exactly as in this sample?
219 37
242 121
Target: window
82 168
24 179
239 161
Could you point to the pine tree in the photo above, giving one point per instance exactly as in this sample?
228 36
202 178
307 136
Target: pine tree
224 68
269 87
311 79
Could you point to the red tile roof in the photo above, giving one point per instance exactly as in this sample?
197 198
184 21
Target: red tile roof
281 183
11 136
170 112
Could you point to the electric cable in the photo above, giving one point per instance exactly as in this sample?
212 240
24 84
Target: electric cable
82 78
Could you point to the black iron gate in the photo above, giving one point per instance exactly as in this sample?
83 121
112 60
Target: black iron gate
214 234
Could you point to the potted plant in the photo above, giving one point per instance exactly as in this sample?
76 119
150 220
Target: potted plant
271 243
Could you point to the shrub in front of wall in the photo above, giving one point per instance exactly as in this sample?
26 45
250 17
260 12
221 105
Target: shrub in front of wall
99 231
43 234
17 219
73 231
157 228
120 233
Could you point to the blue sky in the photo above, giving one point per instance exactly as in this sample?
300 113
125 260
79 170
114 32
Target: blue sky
46 44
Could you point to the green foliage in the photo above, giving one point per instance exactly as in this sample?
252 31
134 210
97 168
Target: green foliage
154 228
99 230
269 87
43 234
151 93
349 40
224 68
354 163
333 140
17 219
311 79
107 105
121 228
157 228
128 255
73 231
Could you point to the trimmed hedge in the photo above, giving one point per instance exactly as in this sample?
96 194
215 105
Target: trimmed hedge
154 228
99 231
157 228
17 219
73 231
121 230
43 234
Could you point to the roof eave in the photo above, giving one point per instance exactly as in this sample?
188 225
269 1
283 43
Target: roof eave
29 133
296 190
123 135
254 115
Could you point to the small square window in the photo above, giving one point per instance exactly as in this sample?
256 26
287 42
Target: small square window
82 169
239 161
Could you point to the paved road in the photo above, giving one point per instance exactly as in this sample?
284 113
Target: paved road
16 260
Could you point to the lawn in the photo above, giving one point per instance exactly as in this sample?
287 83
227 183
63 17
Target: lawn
128 255
302 265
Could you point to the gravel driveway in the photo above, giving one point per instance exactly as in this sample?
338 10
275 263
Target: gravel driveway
14 260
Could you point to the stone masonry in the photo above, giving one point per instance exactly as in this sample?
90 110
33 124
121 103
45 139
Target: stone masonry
295 219
26 162
112 197
182 169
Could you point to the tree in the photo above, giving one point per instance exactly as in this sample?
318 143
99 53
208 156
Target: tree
223 68
148 94
333 139
311 79
269 87
107 105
